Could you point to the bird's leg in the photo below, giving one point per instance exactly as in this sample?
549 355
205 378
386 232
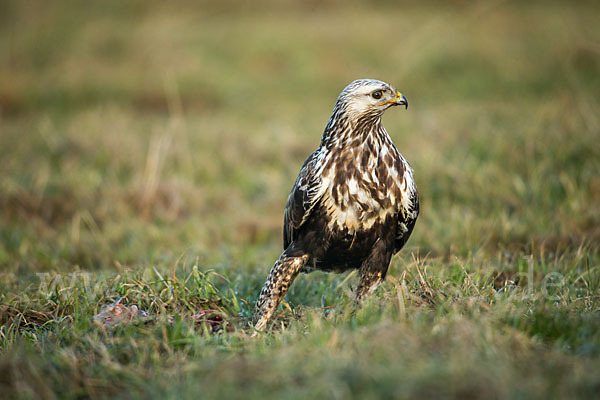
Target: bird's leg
369 280
278 282
373 270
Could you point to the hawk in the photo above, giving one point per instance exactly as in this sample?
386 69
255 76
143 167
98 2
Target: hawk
354 203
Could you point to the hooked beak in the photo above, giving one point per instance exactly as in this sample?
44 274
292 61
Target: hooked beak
400 100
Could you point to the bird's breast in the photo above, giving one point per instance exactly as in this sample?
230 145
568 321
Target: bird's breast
363 192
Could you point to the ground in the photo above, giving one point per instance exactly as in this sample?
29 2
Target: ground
147 150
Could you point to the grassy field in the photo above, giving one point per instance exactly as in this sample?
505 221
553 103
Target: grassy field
147 150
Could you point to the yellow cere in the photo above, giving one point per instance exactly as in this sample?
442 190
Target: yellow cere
398 96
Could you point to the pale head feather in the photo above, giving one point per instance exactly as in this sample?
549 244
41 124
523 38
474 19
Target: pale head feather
357 98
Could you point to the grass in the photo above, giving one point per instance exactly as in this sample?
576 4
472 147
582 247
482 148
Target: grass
147 151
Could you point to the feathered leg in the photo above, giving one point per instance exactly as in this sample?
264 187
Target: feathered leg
373 270
278 282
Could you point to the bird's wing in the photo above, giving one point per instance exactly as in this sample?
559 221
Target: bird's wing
406 219
307 191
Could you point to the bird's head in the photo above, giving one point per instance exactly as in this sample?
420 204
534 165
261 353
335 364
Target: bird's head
369 97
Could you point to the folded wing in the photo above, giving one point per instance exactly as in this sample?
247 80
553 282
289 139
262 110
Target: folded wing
305 194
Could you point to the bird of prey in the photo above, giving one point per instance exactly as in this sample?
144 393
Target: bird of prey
354 203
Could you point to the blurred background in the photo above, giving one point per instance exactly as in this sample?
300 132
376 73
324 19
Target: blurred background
135 133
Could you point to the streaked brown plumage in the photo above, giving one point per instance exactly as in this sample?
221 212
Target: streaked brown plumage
354 203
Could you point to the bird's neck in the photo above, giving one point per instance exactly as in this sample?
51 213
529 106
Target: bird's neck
343 130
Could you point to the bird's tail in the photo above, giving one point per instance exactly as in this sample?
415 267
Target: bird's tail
278 282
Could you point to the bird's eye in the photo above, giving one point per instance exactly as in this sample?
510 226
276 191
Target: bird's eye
377 94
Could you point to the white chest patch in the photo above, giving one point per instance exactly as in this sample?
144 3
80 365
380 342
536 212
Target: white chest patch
356 207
